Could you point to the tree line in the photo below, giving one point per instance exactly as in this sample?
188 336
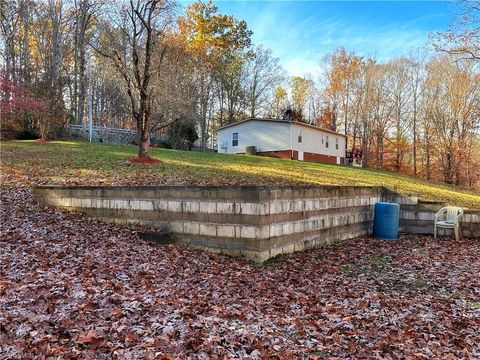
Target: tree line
411 114
157 67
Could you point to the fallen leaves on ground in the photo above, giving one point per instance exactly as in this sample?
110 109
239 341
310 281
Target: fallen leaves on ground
145 160
74 287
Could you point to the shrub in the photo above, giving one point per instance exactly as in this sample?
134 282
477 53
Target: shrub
182 134
29 134
164 144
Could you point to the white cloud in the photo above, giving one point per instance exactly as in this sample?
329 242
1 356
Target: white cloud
304 54
302 35
302 67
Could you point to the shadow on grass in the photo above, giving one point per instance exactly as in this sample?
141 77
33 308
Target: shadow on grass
107 160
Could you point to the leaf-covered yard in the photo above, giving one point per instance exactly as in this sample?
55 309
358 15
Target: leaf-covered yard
85 163
75 287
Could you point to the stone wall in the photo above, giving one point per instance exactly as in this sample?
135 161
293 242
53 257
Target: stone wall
254 221
258 222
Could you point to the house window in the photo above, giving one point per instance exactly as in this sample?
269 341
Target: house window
336 143
235 139
300 134
326 142
322 139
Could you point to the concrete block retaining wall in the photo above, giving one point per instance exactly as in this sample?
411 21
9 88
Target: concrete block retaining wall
419 219
255 221
258 222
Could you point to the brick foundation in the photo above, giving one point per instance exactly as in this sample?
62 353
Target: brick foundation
307 156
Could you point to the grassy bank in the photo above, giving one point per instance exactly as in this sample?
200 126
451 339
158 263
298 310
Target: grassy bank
62 162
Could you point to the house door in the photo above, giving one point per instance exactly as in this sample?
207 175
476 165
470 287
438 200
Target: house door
300 155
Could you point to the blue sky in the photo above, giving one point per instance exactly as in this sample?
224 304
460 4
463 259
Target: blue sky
301 33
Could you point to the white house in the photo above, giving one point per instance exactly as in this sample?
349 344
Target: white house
284 139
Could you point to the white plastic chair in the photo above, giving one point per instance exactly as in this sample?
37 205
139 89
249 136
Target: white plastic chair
449 218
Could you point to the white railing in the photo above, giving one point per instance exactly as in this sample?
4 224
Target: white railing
102 128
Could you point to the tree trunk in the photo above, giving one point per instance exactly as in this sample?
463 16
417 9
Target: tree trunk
56 17
365 143
379 150
398 158
82 83
204 99
346 110
447 171
428 165
333 125
415 135
144 144
25 47
354 142
253 100
143 125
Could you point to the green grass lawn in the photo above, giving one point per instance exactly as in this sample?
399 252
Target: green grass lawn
69 162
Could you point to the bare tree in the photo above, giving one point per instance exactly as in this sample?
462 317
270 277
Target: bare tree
229 77
10 22
399 94
453 108
463 36
264 73
84 15
135 47
417 86
382 113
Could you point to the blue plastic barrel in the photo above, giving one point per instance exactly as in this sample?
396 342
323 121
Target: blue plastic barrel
385 221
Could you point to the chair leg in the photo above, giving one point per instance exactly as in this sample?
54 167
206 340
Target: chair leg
455 229
435 231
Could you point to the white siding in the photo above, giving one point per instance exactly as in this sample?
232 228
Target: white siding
276 136
312 141
264 135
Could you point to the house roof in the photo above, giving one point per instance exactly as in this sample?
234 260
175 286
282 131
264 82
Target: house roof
282 121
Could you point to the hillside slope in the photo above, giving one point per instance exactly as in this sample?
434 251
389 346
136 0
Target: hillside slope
31 162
